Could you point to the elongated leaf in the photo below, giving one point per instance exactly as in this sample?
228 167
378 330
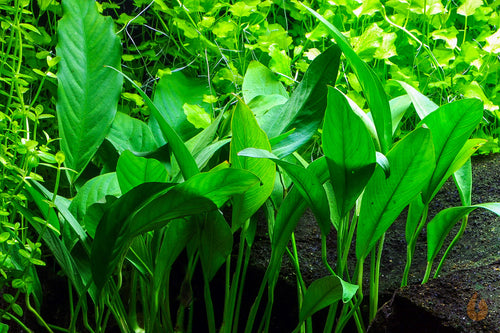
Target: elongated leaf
247 133
411 161
370 83
423 105
450 125
172 92
152 205
87 92
305 108
349 151
94 191
133 170
128 133
324 292
443 222
307 183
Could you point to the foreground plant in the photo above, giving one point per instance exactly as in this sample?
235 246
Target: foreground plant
375 186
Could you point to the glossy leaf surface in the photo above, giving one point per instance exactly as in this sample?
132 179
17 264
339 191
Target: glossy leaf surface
248 134
450 125
133 170
349 151
87 92
411 161
440 226
153 205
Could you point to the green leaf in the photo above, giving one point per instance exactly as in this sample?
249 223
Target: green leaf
411 160
450 125
248 134
197 116
370 83
216 243
307 183
260 81
463 182
324 292
305 108
349 151
172 92
423 105
468 7
443 222
152 205
186 161
87 93
95 190
132 170
399 105
128 133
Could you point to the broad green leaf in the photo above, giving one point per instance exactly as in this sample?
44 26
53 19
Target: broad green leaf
443 222
127 133
349 151
133 170
370 83
152 205
172 93
184 158
95 190
87 92
305 108
423 105
260 81
216 243
248 134
468 7
324 292
307 183
412 161
450 125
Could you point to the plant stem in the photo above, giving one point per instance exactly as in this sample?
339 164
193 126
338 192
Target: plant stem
410 248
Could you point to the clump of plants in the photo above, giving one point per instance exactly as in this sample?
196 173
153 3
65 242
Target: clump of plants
147 180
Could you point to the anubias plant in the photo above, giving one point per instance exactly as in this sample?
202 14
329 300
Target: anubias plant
368 180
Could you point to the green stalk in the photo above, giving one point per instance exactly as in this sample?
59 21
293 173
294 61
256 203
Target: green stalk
452 244
209 306
240 291
375 277
410 248
233 289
